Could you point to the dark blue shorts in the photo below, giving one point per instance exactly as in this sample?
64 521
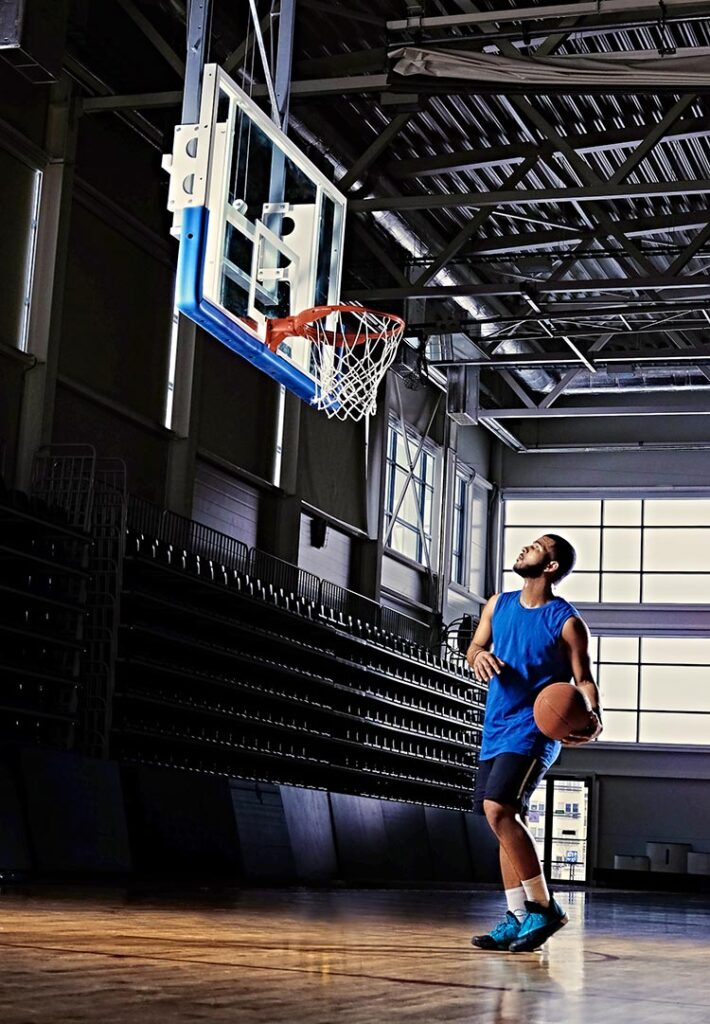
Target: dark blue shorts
508 779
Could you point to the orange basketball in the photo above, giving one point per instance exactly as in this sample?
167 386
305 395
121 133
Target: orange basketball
559 710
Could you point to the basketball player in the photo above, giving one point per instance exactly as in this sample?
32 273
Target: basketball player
525 640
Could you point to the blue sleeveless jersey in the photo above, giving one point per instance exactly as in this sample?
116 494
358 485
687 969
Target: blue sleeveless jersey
527 640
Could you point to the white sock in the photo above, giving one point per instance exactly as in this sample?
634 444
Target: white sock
515 899
536 890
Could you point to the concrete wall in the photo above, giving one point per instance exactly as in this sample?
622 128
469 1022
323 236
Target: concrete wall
640 795
65 815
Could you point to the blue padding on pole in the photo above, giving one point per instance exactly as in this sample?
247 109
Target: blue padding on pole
190 301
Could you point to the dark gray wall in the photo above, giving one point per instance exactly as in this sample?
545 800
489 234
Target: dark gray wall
657 795
635 469
332 561
225 503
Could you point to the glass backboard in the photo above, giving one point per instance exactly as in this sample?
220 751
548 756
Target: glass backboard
260 227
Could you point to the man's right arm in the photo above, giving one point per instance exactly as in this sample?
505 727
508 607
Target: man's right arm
482 661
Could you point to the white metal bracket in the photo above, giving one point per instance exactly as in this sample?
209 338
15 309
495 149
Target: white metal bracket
187 166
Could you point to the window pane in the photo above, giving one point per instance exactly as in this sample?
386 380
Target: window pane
402 450
619 727
456 570
547 513
622 550
659 728
593 649
622 513
400 479
428 504
619 648
511 581
676 550
404 541
477 569
586 544
622 587
584 541
18 185
667 688
618 685
579 587
515 539
677 512
676 589
408 508
670 650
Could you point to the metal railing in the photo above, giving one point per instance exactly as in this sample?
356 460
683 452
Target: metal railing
284 576
334 602
184 534
63 477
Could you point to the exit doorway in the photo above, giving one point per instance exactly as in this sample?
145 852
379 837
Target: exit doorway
559 820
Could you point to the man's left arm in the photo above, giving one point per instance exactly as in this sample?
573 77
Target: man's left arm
576 639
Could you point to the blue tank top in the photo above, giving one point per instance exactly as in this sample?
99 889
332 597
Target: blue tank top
527 640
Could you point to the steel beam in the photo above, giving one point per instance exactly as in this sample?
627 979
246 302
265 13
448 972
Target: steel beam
630 357
653 137
494 156
377 146
380 253
533 197
138 101
595 8
352 63
568 377
152 34
612 284
333 86
474 224
689 407
236 58
644 227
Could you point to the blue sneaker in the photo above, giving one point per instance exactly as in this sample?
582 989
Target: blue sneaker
501 936
539 924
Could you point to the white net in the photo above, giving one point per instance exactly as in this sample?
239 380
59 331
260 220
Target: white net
351 350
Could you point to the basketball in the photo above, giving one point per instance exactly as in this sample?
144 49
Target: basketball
559 710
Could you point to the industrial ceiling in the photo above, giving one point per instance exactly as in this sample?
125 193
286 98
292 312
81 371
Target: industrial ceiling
527 182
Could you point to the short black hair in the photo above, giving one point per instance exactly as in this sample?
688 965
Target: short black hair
565 556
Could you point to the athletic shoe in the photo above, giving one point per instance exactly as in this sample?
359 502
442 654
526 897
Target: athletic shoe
538 925
501 936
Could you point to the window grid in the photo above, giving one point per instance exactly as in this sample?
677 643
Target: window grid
651 685
644 574
642 707
458 529
422 483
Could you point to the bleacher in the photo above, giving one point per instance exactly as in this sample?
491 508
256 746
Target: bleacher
227 660
43 613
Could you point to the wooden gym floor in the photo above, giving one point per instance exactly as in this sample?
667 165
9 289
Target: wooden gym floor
345 957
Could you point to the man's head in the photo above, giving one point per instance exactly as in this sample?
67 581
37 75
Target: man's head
550 555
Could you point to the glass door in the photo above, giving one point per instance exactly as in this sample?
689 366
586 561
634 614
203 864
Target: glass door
558 819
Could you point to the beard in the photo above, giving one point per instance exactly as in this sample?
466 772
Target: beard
529 572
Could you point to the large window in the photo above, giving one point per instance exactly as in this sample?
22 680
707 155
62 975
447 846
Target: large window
409 497
459 522
635 552
654 688
652 551
21 186
469 525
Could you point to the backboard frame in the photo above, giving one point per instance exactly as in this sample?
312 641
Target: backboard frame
200 167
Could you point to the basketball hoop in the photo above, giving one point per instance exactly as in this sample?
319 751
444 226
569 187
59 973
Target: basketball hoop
351 350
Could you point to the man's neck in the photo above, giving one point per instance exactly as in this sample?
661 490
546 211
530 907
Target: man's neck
536 592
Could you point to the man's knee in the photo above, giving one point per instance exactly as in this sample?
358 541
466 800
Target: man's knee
497 814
